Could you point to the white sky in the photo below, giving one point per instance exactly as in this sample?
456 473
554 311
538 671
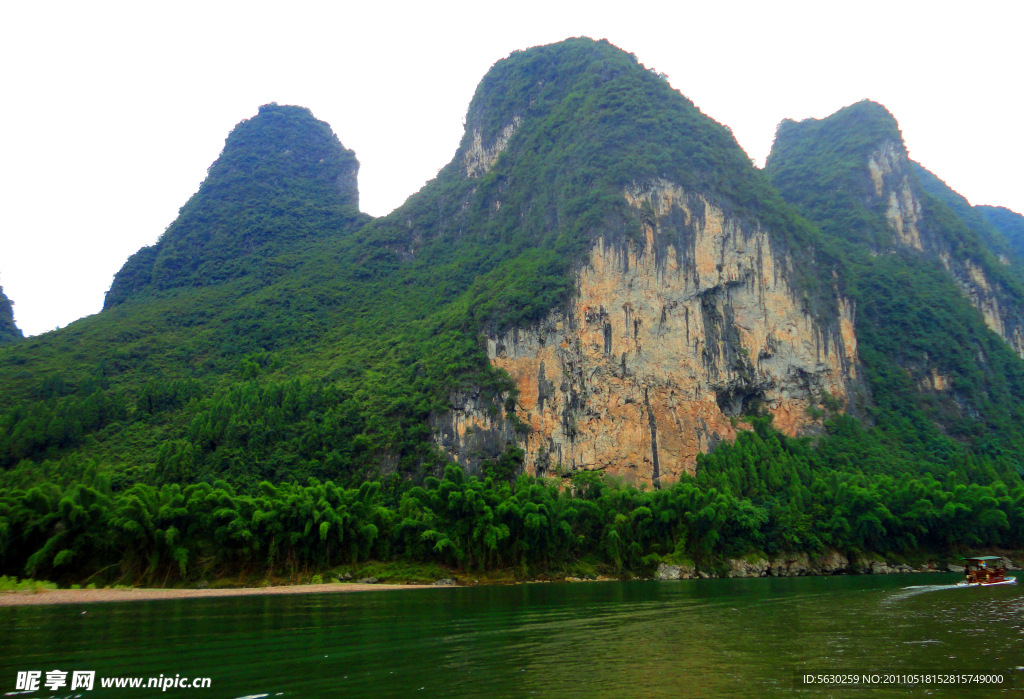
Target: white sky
111 112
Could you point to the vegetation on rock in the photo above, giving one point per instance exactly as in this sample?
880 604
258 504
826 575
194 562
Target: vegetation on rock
913 321
764 493
1010 225
9 332
257 393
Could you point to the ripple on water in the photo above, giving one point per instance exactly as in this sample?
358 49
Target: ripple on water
718 638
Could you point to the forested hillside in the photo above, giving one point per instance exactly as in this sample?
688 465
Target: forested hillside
259 391
940 379
1010 225
283 177
324 350
998 241
8 330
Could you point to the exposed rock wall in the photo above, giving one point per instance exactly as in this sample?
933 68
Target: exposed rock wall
985 297
479 158
788 565
890 176
889 169
668 339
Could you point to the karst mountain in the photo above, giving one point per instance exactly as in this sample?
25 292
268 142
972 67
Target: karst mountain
599 280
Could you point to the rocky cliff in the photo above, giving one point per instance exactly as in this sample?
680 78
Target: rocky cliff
675 332
667 341
939 298
896 186
691 302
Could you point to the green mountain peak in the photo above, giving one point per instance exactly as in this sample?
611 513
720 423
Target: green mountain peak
940 318
870 121
283 176
820 357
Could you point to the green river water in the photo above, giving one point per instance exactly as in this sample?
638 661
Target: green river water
694 638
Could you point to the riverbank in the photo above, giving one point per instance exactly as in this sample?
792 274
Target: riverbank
398 575
791 565
137 594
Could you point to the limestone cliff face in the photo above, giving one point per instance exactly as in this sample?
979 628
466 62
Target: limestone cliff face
1005 322
891 178
668 338
889 169
478 158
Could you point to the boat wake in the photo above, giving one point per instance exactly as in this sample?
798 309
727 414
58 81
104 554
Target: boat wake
914 590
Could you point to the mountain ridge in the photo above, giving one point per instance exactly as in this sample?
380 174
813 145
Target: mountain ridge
1010 225
430 299
599 337
861 189
258 196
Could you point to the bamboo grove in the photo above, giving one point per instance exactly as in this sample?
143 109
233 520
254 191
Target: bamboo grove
762 494
260 399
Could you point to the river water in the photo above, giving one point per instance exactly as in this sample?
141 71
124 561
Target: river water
693 638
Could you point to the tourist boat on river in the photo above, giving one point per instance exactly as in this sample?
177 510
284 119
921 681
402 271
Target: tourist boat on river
983 571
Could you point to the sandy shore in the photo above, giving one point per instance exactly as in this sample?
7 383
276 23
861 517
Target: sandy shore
15 599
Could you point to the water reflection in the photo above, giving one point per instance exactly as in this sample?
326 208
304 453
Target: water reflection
700 638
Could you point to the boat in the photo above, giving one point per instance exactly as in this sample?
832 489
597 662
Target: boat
985 571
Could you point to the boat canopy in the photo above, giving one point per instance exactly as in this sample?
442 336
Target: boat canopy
984 558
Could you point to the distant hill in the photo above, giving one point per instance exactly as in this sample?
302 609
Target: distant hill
282 177
940 318
9 332
1009 223
599 337
975 217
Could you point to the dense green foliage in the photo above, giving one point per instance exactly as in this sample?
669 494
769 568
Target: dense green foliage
972 216
912 319
591 121
9 332
263 278
257 393
765 493
282 177
821 166
1010 225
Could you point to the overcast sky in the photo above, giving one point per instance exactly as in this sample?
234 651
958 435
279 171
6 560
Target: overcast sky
113 111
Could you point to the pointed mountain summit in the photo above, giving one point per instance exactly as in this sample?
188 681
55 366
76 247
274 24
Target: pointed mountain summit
283 176
554 135
9 332
637 278
599 280
940 315
858 156
599 283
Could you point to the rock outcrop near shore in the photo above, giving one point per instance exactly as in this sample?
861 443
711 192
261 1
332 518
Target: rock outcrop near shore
797 564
